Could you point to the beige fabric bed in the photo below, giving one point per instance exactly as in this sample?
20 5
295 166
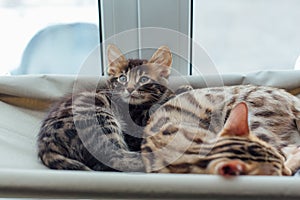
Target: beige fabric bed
23 101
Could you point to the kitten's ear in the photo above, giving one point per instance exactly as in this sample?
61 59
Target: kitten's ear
116 60
237 122
163 58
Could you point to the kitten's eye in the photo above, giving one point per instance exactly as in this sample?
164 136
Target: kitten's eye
122 78
144 79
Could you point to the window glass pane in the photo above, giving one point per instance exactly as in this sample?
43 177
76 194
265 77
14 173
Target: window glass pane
35 34
248 35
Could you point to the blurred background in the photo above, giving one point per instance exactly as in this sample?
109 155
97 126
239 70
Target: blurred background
55 36
24 25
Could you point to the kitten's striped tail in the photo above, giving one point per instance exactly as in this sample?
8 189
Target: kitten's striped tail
57 161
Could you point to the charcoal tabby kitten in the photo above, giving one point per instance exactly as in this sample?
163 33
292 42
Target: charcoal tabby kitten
101 130
207 131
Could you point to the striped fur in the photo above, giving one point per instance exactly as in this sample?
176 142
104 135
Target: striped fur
101 130
192 133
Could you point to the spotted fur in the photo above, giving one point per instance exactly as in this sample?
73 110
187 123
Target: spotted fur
208 131
101 130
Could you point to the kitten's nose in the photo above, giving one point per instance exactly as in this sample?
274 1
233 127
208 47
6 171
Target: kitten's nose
130 90
232 168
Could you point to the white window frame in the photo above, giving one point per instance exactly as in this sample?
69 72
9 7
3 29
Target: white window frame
117 16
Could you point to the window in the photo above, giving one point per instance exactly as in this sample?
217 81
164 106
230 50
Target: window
234 36
248 35
24 40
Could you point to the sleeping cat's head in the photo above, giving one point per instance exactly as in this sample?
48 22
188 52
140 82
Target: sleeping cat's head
171 147
241 153
138 81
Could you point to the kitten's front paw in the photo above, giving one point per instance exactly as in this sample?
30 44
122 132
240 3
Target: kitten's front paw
183 88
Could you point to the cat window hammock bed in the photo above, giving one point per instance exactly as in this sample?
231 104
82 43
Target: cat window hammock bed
22 103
